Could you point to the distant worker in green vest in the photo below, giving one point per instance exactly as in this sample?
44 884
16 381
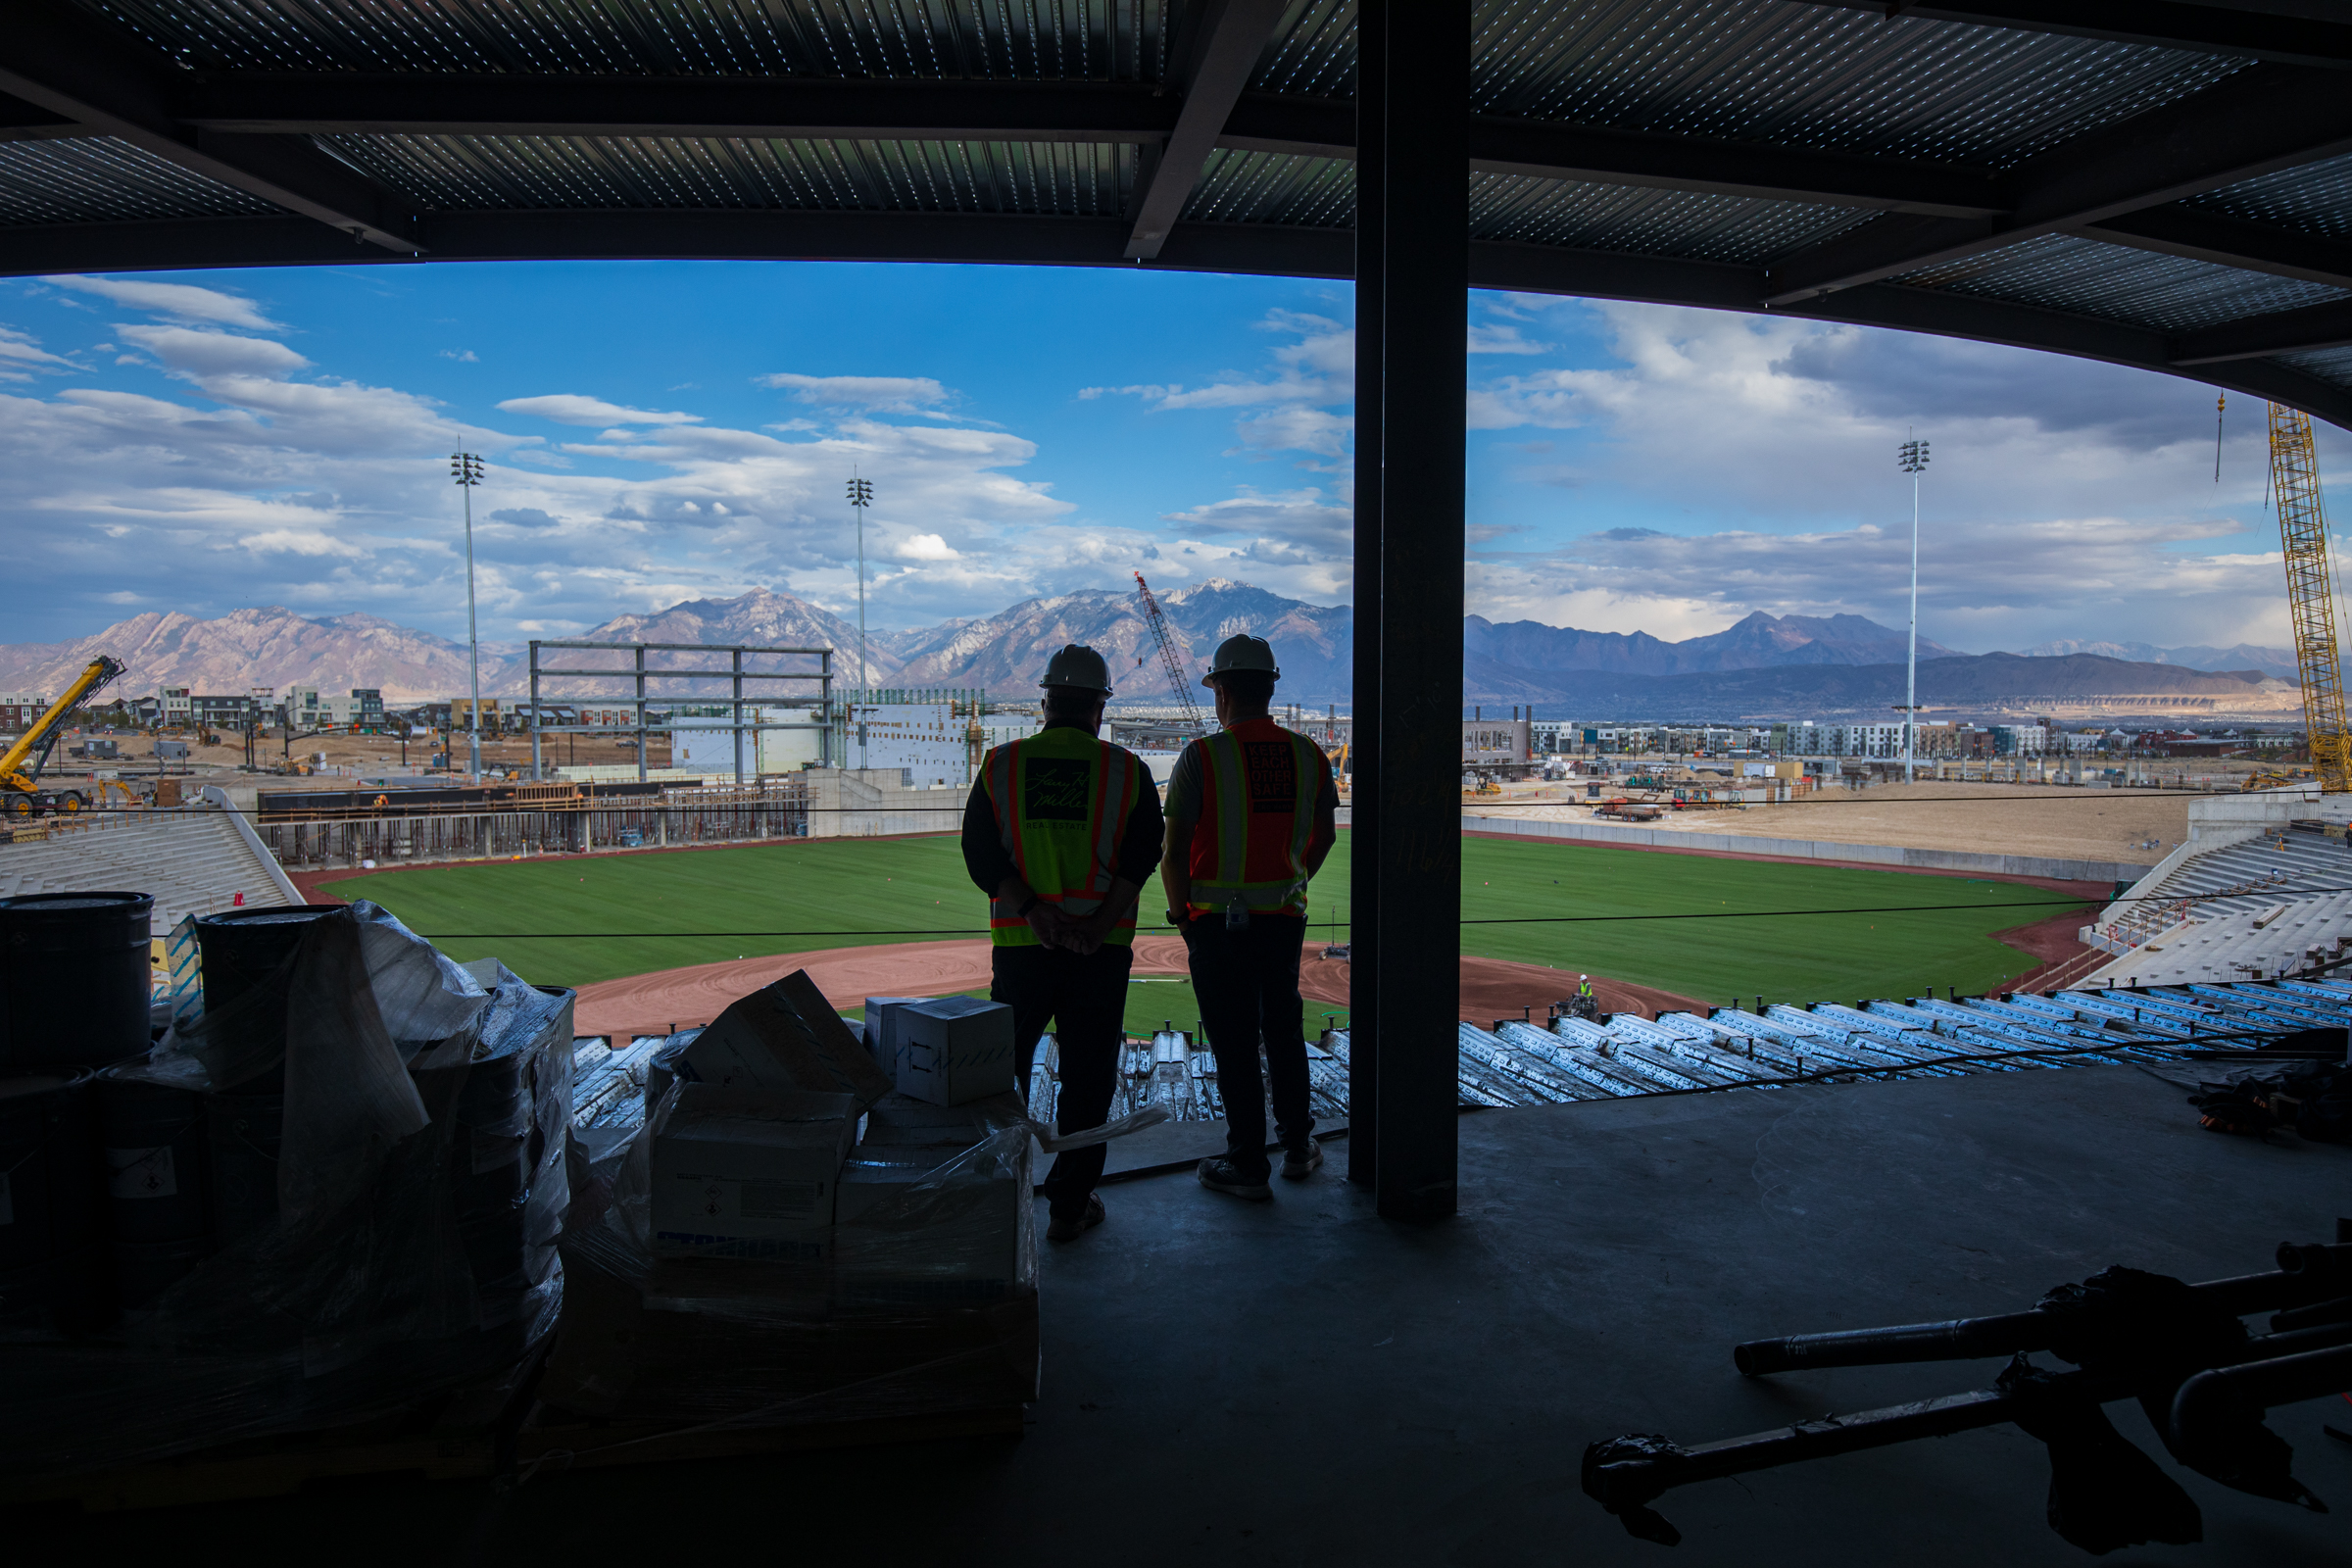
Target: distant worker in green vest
1060 833
1252 815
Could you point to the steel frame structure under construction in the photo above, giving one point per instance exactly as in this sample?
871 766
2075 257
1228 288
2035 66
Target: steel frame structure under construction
638 672
2165 185
2310 594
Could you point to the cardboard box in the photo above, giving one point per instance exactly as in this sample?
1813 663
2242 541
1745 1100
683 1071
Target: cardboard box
907 1237
881 1029
954 1049
906 1120
784 1037
749 1174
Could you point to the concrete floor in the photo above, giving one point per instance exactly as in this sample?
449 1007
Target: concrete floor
1300 1382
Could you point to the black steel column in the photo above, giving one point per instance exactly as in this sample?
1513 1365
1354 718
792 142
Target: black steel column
1424 212
1363 737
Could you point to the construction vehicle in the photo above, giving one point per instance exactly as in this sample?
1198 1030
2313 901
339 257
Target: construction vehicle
1166 639
20 767
2310 596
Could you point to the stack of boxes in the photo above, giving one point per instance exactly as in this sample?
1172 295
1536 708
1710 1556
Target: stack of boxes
756 1153
817 1210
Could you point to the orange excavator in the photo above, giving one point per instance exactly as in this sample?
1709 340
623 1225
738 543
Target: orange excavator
21 766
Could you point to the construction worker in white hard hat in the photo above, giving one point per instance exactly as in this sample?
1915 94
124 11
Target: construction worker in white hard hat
1061 832
1251 817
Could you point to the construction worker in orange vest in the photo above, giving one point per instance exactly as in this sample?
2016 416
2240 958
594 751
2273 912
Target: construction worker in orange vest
1252 815
1061 832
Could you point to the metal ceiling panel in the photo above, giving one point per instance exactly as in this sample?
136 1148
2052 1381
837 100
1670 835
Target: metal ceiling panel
2167 293
99 179
2315 199
1816 77
1684 224
1240 188
2334 366
1094 41
448 172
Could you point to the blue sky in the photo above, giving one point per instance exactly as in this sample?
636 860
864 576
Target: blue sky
659 431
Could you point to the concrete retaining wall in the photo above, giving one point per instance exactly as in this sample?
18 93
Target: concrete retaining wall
1887 855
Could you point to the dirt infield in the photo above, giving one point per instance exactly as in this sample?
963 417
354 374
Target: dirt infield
676 998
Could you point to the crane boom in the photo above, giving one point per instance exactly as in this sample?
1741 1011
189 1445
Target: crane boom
2310 595
1159 623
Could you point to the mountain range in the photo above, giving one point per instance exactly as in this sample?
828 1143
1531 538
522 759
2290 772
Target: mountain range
1797 664
2279 662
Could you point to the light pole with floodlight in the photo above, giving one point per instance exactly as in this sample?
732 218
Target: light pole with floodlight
862 496
1912 457
465 469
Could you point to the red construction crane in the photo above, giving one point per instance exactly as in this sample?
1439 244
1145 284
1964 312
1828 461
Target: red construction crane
1159 623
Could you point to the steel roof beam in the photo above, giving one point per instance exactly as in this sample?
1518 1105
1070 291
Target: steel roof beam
1225 50
74 69
2253 122
2229 27
2186 232
2315 327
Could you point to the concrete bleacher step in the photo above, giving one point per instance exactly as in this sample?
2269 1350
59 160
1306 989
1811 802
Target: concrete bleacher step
194 862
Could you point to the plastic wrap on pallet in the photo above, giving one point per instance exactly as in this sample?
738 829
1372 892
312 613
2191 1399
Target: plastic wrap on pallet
926 1301
407 1245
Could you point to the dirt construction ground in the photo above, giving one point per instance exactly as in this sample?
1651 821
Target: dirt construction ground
2061 824
677 999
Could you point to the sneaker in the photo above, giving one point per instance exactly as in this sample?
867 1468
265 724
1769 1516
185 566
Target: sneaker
1297 1164
1059 1229
1221 1176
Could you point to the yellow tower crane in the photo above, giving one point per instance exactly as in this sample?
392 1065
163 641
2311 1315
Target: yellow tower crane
2310 594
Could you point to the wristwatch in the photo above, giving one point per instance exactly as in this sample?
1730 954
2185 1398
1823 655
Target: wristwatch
1034 901
1179 917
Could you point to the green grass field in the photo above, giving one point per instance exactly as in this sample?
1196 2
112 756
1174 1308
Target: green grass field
574 921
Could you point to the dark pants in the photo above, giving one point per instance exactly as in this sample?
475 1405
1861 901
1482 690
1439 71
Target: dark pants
1084 998
1247 985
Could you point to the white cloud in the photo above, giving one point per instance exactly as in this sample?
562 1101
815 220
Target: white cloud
182 302
302 542
23 348
569 408
875 394
924 547
1488 339
461 356
201 355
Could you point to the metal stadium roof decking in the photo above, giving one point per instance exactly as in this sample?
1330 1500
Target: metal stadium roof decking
2166 185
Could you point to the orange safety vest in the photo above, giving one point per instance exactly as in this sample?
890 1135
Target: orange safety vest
1062 801
1257 810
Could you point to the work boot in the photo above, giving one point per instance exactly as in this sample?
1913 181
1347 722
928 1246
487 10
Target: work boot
1298 1163
1223 1176
1059 1229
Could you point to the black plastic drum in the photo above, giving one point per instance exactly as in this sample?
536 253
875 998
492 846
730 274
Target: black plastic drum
244 1131
74 979
53 1242
243 951
158 1157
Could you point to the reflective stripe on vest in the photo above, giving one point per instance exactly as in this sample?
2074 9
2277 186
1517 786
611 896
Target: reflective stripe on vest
1255 822
1062 801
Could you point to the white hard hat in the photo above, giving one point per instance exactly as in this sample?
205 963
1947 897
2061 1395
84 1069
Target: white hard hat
1584 977
1079 666
1241 652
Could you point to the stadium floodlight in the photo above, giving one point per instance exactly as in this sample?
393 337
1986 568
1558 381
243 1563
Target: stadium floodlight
466 470
1912 457
862 496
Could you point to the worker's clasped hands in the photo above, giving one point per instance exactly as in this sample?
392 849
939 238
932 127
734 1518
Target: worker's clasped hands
1081 934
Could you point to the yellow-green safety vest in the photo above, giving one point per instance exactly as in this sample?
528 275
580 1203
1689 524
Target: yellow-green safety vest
1062 801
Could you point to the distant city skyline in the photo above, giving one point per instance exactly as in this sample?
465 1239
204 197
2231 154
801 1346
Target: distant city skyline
657 432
